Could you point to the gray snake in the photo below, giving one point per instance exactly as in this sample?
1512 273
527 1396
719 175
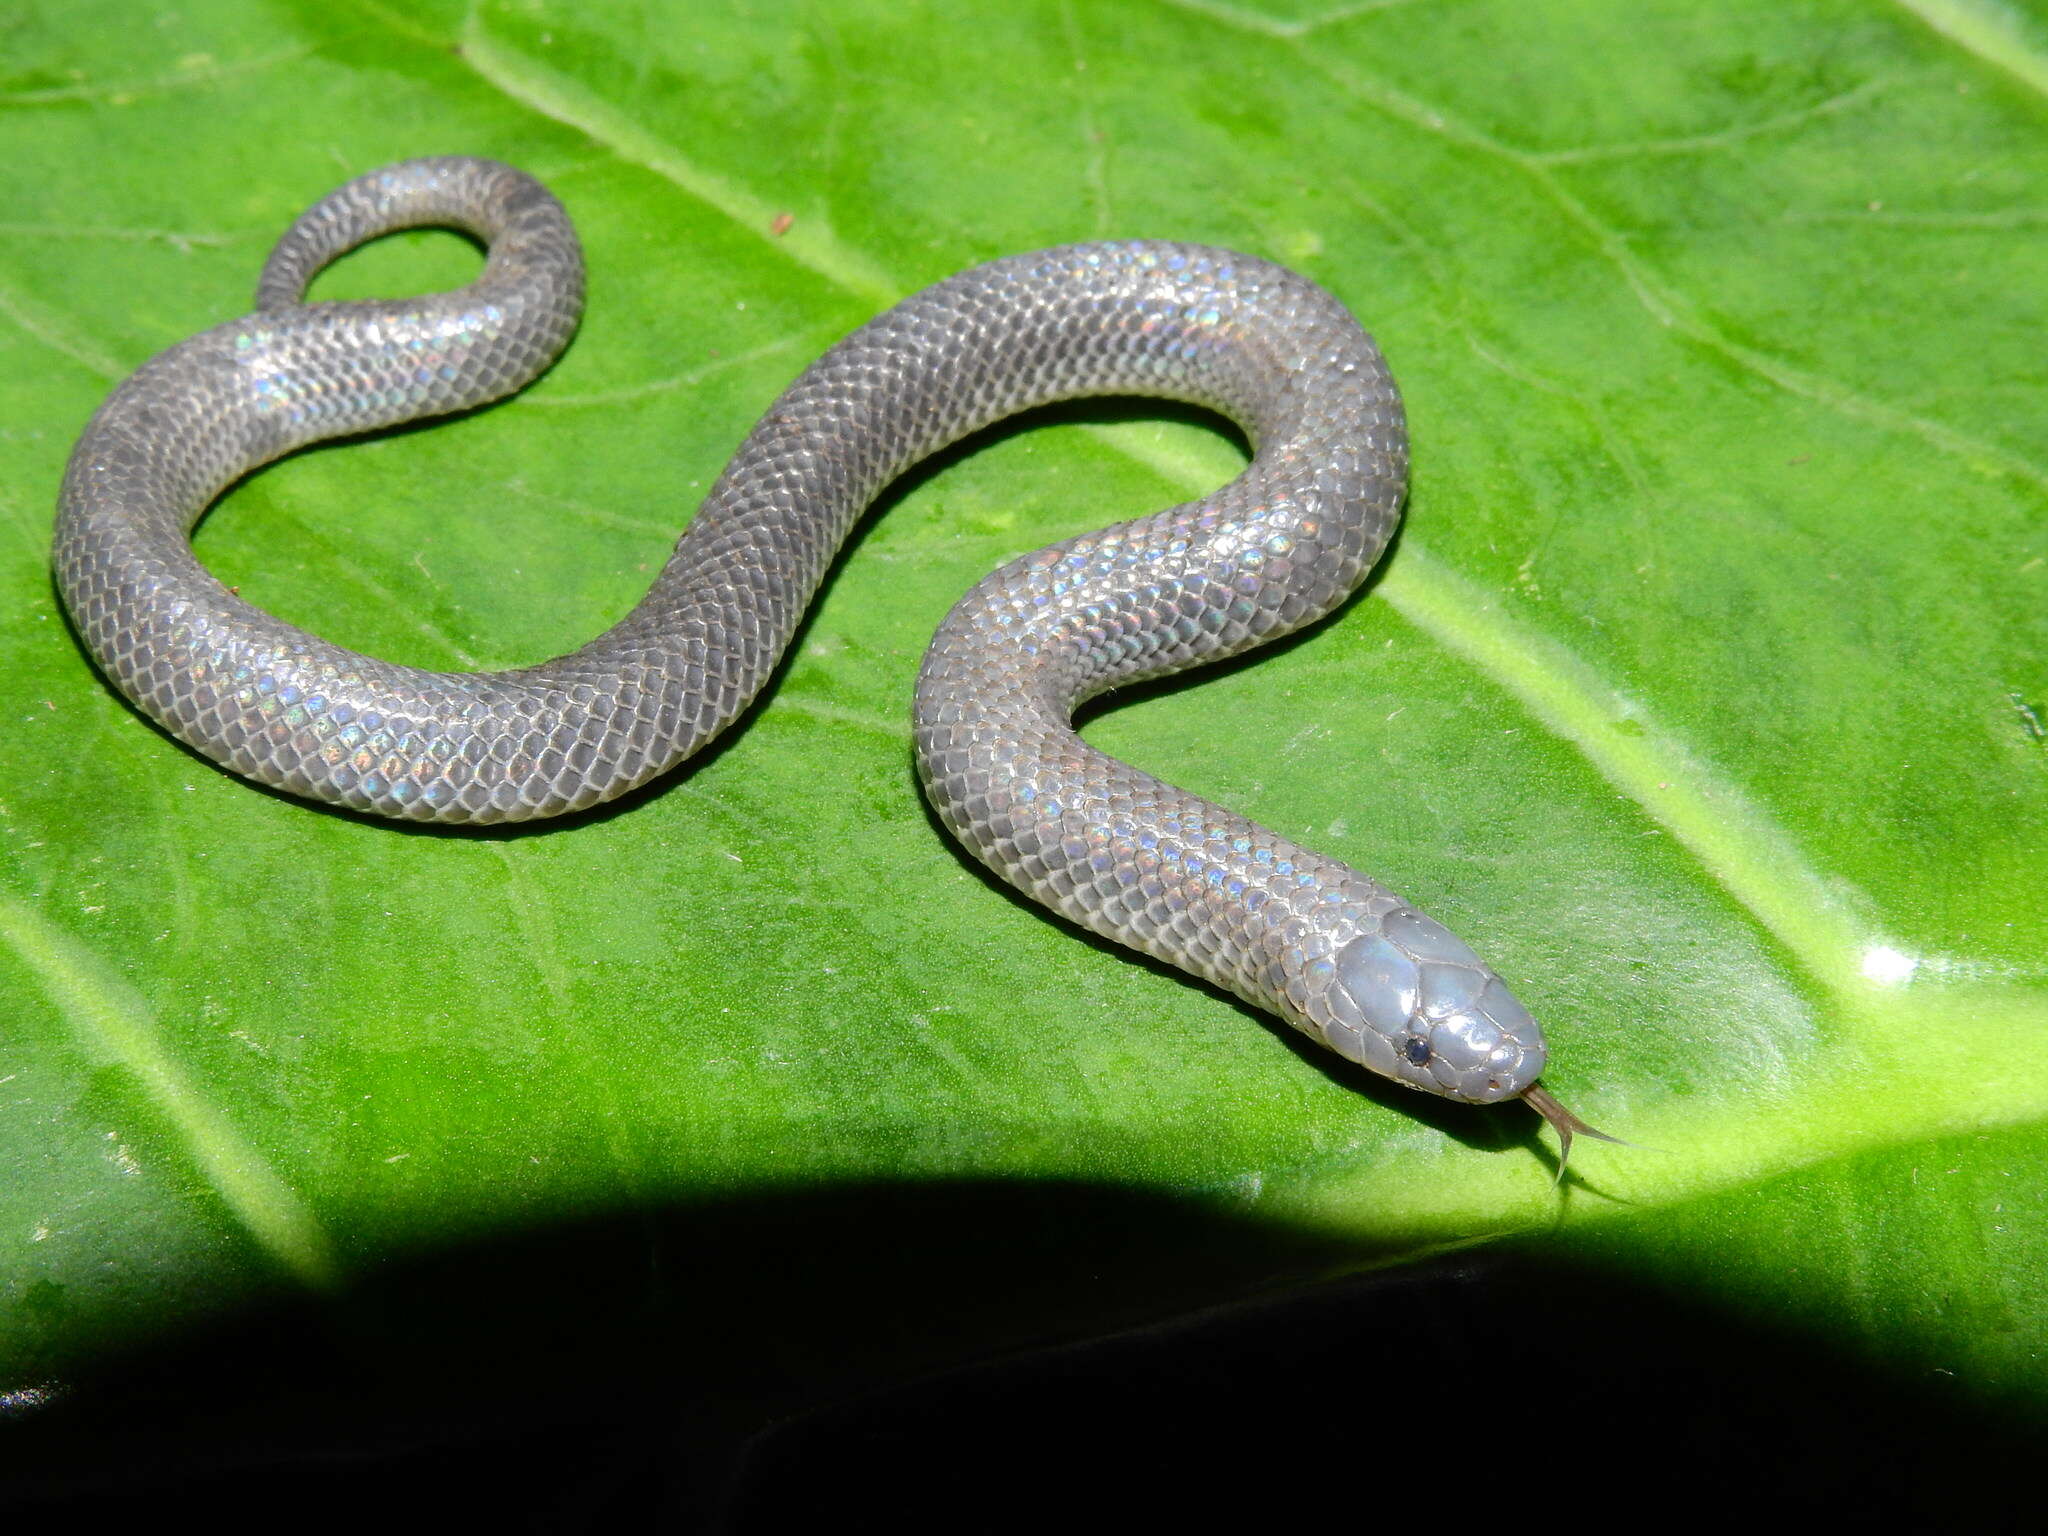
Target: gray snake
1332 952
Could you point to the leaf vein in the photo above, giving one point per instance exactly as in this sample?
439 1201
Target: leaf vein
1990 32
112 1020
533 85
202 73
1735 840
1701 143
13 307
1668 307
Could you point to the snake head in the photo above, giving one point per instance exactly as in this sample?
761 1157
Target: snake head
1411 1001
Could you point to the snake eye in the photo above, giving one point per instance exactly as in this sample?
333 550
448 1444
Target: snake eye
1417 1050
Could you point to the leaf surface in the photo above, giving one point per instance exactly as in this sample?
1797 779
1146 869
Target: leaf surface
1703 692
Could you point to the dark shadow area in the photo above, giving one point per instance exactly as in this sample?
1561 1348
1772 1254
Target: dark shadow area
1497 1387
698 1323
794 1363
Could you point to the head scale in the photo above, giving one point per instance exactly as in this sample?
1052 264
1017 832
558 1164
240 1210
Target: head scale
1409 1000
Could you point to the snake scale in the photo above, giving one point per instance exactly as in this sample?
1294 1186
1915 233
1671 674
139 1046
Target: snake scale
1331 951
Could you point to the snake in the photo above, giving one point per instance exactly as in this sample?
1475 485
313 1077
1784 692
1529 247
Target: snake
1306 938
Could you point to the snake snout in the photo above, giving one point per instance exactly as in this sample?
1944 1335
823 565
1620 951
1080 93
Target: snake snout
1412 1001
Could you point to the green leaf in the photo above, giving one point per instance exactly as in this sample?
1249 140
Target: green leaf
1703 692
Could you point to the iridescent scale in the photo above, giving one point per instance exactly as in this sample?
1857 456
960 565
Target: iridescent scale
1325 947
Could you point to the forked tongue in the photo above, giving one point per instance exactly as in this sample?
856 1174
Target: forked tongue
1567 1125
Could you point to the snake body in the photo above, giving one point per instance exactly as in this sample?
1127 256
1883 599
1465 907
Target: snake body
1328 949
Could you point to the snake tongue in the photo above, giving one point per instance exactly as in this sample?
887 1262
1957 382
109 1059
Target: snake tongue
1567 1125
